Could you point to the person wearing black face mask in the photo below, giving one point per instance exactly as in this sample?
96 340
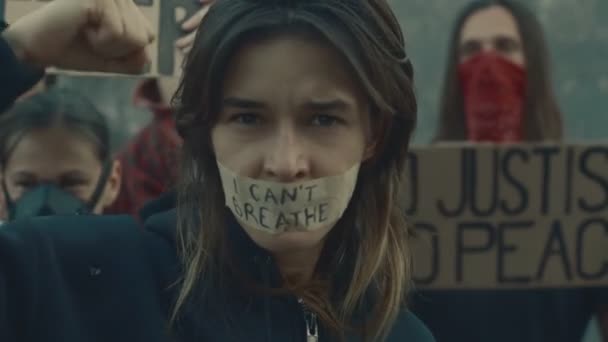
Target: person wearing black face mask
50 199
55 157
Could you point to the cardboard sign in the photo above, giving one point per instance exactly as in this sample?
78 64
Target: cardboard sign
164 15
509 217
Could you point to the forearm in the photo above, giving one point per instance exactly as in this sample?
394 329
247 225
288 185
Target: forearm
16 75
12 37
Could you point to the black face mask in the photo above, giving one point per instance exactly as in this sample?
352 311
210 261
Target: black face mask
49 199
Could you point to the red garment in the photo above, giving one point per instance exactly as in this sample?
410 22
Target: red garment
149 161
494 91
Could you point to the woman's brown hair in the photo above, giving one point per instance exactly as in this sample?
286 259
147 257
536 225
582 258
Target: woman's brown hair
372 231
543 120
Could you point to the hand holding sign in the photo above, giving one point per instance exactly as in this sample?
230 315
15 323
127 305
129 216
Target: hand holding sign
86 35
190 25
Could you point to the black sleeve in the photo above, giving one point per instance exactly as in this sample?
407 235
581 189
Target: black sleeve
15 77
18 281
34 296
61 276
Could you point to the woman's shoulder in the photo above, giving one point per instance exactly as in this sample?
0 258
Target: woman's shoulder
66 263
75 249
69 241
72 231
74 242
410 328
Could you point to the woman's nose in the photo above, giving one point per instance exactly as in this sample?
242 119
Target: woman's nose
286 158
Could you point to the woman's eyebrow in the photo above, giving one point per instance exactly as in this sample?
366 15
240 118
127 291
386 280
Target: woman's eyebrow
74 174
326 105
237 102
22 175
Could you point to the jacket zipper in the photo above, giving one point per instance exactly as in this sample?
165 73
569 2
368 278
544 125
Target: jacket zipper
312 324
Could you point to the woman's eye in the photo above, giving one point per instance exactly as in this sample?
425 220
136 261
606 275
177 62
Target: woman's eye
26 184
245 118
506 45
470 48
325 120
72 183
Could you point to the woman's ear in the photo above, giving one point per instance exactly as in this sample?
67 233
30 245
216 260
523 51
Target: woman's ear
371 144
3 209
112 188
370 149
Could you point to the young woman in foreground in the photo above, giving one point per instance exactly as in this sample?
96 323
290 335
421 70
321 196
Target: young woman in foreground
296 115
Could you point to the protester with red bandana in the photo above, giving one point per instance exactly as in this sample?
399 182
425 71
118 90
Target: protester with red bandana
494 90
498 85
150 159
498 90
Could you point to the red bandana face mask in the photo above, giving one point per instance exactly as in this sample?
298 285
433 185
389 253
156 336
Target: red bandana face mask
494 91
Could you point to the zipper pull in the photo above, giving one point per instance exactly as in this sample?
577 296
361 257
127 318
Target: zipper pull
312 325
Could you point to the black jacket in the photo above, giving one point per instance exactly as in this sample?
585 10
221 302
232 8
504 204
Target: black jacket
526 315
101 278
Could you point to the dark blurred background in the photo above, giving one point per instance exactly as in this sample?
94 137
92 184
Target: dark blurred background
577 32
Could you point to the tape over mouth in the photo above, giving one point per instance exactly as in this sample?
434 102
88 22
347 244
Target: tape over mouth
275 207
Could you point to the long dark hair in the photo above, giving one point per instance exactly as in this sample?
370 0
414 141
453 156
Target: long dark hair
369 37
53 108
543 120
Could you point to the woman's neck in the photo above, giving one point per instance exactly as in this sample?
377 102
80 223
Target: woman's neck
300 264
167 86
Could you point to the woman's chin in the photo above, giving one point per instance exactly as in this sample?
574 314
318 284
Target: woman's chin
289 240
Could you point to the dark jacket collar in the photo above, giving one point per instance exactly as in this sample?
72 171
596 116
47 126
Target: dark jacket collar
160 217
